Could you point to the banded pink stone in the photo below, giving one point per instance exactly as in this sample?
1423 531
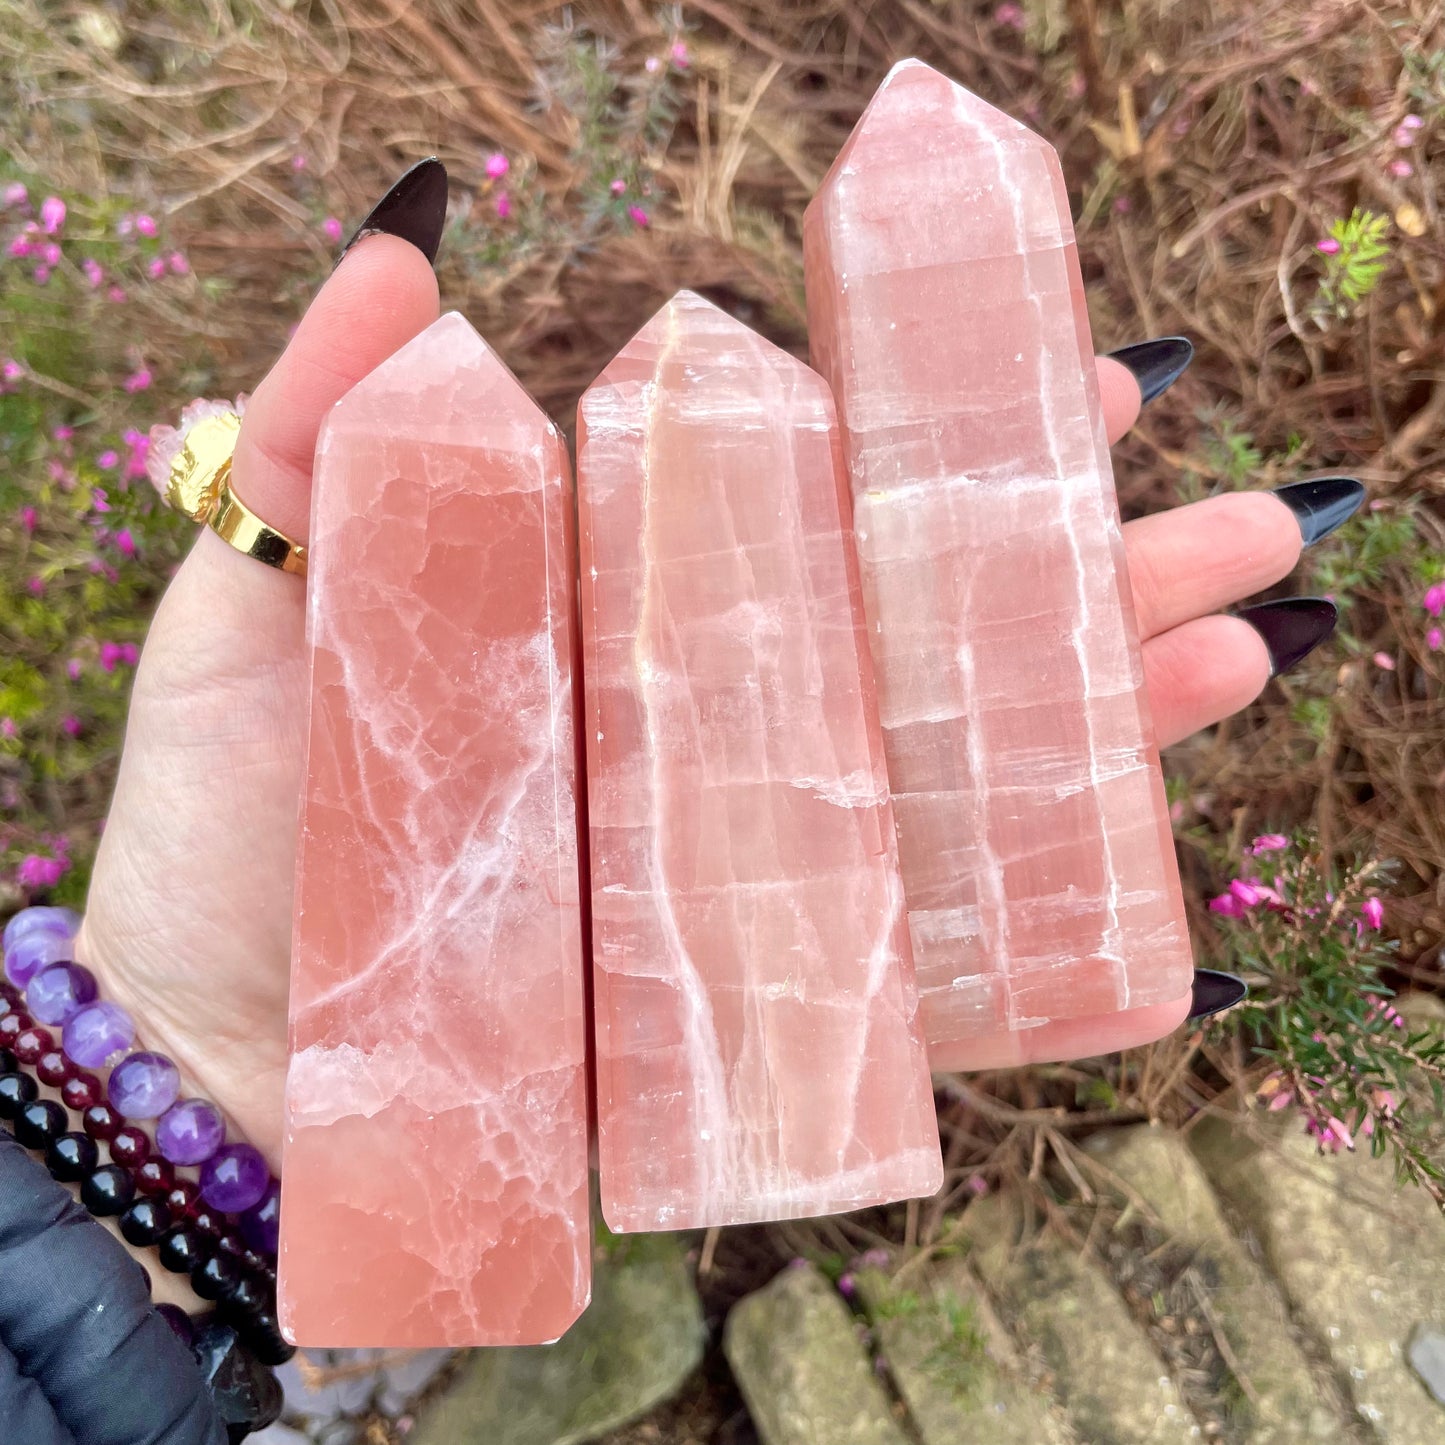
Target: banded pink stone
435 1176
757 1047
946 308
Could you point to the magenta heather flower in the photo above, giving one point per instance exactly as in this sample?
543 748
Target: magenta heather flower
178 263
125 543
1010 15
1434 601
652 64
1227 905
28 518
70 725
1435 639
36 586
74 668
20 247
298 162
847 1286
1401 169
1328 246
1384 661
99 501
41 275
107 459
94 272
680 56
129 654
504 205
115 295
618 186
1250 892
16 195
50 253
1269 843
331 229
52 214
109 656
146 225
1373 913
639 217
7 728
37 871
138 380
62 433
497 165
155 268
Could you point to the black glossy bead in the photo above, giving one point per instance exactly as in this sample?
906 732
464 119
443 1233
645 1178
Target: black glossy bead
214 1276
107 1190
231 1243
208 1223
71 1157
247 1298
246 1395
145 1221
264 1336
39 1123
16 1091
8 1062
182 1250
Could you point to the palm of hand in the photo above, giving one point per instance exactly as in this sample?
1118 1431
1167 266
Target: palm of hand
189 917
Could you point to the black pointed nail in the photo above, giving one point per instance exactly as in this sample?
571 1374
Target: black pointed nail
415 209
1214 992
1291 628
1156 364
1322 505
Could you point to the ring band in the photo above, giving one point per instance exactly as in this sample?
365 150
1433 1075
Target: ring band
197 481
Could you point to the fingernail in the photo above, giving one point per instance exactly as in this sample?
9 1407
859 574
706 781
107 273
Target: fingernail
1291 628
1322 505
1214 992
1156 364
415 209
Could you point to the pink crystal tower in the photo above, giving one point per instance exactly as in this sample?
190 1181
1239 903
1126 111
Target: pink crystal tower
757 1048
435 1173
947 310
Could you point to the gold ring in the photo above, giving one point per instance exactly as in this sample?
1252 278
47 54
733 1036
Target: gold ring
198 484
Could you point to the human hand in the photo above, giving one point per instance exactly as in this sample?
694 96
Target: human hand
189 917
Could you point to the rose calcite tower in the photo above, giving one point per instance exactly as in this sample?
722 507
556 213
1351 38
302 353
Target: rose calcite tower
758 1054
946 308
435 1184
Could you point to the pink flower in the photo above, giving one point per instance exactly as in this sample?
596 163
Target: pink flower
1434 600
1010 15
298 162
99 502
50 254
107 459
1281 1100
125 225
1250 892
70 725
1227 905
680 56
652 65
331 229
503 204
618 186
36 586
497 165
1384 661
41 274
125 543
7 727
1400 168
1269 843
847 1286
94 272
146 225
116 295
28 518
16 195
109 656
155 268
639 217
129 654
1435 639
63 433
138 380
178 264
74 668
1122 205
52 214
1404 133
37 871
20 247
1328 246
976 1185
11 370
1337 1127
1373 912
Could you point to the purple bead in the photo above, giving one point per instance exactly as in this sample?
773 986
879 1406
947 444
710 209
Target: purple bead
64 921
234 1178
261 1224
143 1086
190 1132
95 1035
59 992
33 951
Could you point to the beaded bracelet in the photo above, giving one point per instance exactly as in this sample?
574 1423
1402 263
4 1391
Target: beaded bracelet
220 1229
